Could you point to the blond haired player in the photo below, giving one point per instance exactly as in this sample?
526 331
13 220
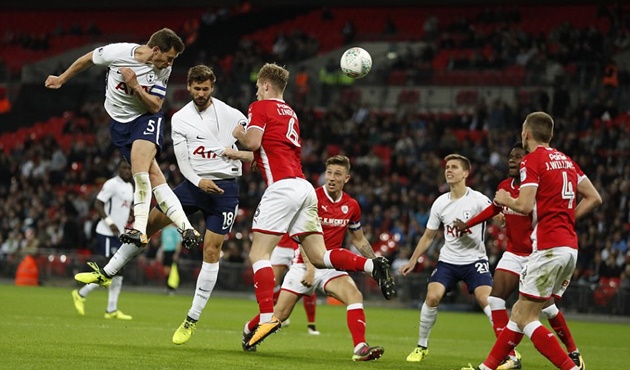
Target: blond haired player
289 204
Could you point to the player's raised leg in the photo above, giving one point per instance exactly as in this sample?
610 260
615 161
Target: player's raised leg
172 207
343 259
124 254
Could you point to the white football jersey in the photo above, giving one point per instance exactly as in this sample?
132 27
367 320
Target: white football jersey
206 135
118 198
460 248
120 102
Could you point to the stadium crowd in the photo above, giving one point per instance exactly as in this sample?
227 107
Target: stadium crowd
47 192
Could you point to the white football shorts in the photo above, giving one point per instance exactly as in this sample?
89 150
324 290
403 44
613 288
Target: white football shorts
282 256
293 279
289 205
548 272
512 263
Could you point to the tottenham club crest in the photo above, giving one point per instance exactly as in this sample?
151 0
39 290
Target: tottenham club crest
151 77
467 215
344 209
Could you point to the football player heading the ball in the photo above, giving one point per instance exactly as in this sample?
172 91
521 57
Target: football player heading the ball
136 88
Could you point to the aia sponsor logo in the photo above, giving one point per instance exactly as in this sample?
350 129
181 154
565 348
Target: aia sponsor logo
205 154
452 231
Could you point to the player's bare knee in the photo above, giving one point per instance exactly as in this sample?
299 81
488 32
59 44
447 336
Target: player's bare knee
519 316
210 255
433 300
319 264
317 260
258 254
140 164
354 296
212 250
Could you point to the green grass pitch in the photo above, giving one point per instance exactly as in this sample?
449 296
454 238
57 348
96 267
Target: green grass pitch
40 329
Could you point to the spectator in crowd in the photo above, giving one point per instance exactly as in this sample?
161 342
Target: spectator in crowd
348 32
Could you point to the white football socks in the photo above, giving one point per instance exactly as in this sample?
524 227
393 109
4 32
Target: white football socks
87 289
141 201
205 284
496 303
171 206
114 292
428 316
550 312
123 255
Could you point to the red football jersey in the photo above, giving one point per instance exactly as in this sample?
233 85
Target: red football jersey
553 217
336 217
518 227
279 155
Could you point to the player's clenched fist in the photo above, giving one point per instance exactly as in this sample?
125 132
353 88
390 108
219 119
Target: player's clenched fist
502 197
53 82
129 76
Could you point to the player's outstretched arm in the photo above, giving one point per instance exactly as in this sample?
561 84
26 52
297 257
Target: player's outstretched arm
483 216
82 63
423 244
590 198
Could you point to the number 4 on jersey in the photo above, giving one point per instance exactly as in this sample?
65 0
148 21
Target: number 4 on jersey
567 189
